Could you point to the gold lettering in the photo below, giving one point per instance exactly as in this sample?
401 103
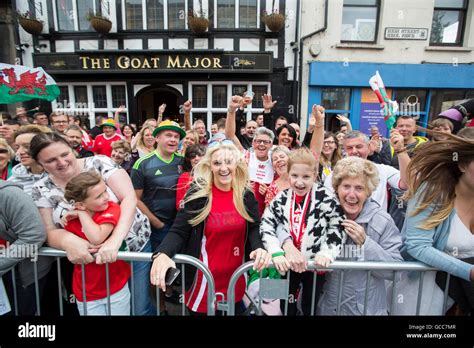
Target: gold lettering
198 60
186 64
95 63
206 63
123 62
106 63
84 62
156 62
135 63
146 64
217 63
173 64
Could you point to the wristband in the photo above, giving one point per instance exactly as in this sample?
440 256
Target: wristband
280 253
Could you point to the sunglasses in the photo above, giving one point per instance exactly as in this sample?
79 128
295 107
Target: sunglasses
3 151
215 143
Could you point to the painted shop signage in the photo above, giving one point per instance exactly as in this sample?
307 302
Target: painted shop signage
406 33
149 61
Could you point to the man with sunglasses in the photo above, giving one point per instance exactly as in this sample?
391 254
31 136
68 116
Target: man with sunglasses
257 157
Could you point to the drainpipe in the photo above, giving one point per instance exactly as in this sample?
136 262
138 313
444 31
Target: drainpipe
294 86
300 48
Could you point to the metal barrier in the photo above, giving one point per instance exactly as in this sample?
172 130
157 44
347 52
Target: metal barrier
367 266
125 256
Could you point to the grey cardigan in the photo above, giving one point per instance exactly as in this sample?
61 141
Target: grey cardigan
382 244
22 227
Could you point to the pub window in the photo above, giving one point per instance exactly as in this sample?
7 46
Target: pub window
248 14
259 91
63 95
219 96
225 13
99 94
176 14
199 116
72 14
134 16
359 20
239 89
448 22
155 14
217 116
118 96
80 94
200 96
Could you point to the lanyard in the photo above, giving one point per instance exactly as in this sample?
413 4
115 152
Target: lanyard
297 221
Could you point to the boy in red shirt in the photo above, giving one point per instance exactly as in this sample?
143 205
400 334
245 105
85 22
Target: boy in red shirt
103 142
94 219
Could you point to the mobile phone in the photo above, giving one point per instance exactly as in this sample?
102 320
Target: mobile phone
171 275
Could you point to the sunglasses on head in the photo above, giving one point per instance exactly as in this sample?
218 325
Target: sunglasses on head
215 143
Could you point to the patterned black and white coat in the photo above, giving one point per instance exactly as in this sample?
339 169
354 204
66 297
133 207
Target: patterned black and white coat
324 235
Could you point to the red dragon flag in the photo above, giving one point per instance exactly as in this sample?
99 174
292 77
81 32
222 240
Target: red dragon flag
20 83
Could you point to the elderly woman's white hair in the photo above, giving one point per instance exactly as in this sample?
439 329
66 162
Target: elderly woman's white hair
356 167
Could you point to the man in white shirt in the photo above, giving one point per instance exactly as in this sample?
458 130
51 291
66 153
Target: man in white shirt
357 144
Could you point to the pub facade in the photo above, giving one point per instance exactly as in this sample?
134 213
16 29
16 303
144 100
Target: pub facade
150 56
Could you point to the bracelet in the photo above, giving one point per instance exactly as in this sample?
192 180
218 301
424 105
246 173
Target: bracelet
404 149
280 253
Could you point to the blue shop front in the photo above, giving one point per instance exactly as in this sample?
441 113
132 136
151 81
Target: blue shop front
422 90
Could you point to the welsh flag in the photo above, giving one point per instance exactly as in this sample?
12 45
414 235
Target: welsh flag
20 83
389 107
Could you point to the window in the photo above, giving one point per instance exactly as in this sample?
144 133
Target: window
230 14
210 99
359 20
134 17
248 14
259 91
63 95
155 14
448 22
80 93
225 13
107 98
176 14
100 96
200 96
443 99
72 14
219 96
335 101
118 96
410 101
239 89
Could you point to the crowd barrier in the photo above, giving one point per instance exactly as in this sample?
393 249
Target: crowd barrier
269 288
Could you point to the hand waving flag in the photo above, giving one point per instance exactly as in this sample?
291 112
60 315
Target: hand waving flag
389 107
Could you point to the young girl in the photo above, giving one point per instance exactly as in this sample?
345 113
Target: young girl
300 224
94 219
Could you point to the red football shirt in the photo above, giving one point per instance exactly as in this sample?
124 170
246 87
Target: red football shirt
222 250
103 145
119 271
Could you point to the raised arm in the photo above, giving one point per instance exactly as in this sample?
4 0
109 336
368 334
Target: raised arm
187 106
121 185
117 118
396 139
317 139
234 104
268 105
344 119
161 111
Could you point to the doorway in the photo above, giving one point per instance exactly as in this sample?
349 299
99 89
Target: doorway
149 100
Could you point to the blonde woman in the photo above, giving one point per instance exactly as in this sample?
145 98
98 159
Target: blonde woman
191 138
146 142
6 159
330 154
219 221
439 224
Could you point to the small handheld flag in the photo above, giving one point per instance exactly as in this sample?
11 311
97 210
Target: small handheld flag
389 107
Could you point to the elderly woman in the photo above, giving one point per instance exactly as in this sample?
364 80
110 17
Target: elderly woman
123 156
373 236
6 156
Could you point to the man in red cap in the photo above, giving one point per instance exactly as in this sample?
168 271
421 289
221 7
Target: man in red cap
103 142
